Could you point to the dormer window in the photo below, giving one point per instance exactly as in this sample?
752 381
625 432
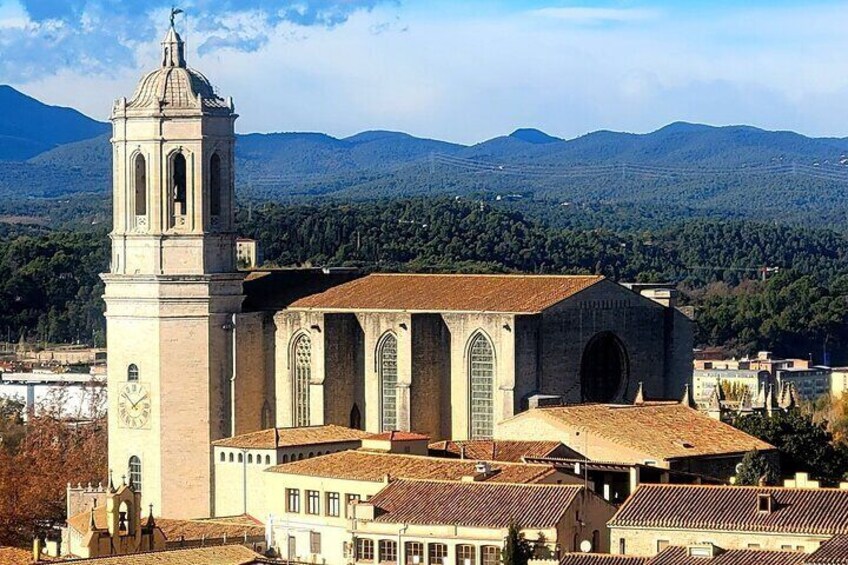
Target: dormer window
765 503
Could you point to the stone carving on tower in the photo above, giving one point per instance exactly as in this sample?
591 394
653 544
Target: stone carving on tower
173 289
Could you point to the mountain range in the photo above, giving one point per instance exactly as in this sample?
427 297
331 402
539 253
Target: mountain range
48 151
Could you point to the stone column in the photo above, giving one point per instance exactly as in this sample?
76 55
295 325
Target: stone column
403 406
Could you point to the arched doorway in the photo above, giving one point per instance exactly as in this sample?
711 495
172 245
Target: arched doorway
604 368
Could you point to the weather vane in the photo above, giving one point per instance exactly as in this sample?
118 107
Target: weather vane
174 12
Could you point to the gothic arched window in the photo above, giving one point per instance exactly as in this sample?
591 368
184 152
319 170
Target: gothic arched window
178 184
135 472
215 185
301 375
140 185
132 372
481 398
387 367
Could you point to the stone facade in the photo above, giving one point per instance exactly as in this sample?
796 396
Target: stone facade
533 353
172 290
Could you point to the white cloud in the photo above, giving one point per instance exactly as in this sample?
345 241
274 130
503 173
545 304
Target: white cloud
589 15
473 77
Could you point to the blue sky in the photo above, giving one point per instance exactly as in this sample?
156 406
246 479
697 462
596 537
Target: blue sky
459 70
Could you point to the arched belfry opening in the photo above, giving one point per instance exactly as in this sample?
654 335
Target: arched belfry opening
215 185
604 369
140 185
178 184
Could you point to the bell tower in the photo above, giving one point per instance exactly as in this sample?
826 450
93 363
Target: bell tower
173 289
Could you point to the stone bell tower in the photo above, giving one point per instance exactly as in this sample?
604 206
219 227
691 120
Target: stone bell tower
173 288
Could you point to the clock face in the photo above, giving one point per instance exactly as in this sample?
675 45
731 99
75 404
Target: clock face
133 405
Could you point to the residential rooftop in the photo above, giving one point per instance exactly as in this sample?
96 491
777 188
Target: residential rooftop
495 450
820 511
15 556
525 294
274 438
375 466
601 559
231 527
665 430
832 552
397 435
175 530
681 556
216 555
489 505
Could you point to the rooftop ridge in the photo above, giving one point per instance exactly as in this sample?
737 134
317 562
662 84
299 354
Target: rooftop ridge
741 487
488 484
487 275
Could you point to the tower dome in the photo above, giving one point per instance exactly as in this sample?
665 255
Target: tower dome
175 86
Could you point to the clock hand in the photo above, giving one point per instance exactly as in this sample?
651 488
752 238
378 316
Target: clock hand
139 401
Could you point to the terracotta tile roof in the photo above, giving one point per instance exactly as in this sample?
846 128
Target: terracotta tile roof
234 526
661 430
495 450
218 555
397 435
832 552
680 556
693 507
82 521
15 556
231 527
374 466
601 559
449 293
290 437
473 504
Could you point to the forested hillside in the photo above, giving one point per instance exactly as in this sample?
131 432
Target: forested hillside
737 170
51 291
29 127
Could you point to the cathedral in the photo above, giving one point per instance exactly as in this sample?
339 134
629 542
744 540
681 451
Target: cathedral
200 350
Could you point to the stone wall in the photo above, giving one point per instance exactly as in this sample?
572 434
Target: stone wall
344 362
430 383
533 353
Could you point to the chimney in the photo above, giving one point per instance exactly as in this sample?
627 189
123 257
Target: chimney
483 468
36 549
664 296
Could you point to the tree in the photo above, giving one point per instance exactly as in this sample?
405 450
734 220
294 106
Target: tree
56 449
12 428
804 445
541 549
755 469
517 550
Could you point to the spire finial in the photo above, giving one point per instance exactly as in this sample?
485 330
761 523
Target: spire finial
640 395
173 48
174 12
687 399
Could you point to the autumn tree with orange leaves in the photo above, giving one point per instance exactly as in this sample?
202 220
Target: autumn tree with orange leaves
40 456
